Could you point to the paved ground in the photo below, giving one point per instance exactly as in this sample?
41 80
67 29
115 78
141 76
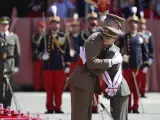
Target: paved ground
35 103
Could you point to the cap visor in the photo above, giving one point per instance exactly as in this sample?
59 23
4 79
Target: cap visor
4 22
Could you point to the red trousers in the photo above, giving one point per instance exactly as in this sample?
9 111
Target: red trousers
143 83
129 78
54 85
38 78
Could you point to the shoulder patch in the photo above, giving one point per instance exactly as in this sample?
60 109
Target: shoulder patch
114 48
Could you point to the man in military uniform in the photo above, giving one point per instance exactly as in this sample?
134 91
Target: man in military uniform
56 66
98 55
74 41
37 52
132 46
92 28
9 59
149 40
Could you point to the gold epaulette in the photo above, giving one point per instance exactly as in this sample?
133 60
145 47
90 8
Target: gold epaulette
61 38
37 42
60 41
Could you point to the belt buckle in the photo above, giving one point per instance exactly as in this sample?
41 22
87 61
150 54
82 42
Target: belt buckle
4 55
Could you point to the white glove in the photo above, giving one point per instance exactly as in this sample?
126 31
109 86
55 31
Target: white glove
125 58
118 59
15 69
67 70
145 70
45 56
40 56
82 54
150 60
72 52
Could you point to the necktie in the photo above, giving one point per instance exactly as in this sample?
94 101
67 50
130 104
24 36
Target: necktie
4 36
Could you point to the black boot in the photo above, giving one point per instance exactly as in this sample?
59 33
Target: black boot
136 111
94 111
59 111
129 111
143 96
49 112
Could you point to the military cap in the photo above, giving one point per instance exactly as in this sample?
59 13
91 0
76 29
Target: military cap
91 2
55 18
4 20
75 20
92 14
142 19
133 17
113 24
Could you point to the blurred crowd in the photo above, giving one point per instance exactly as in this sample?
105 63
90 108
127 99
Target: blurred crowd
66 8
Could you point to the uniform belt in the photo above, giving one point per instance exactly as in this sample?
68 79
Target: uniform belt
9 57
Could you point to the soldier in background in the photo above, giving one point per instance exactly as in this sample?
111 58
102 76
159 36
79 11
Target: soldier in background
149 40
74 41
56 66
9 59
132 46
37 52
92 25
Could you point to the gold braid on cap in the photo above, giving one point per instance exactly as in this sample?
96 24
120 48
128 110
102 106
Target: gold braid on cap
118 23
109 35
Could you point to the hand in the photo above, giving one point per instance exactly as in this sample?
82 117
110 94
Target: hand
82 54
15 69
45 56
67 70
117 59
39 57
72 52
145 70
125 58
150 60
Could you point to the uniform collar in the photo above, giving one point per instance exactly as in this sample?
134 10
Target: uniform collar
6 33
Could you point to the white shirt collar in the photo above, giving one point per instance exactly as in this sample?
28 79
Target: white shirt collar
7 33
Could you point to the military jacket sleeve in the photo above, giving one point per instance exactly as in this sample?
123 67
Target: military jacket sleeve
17 51
150 45
67 58
64 48
37 46
93 47
144 53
